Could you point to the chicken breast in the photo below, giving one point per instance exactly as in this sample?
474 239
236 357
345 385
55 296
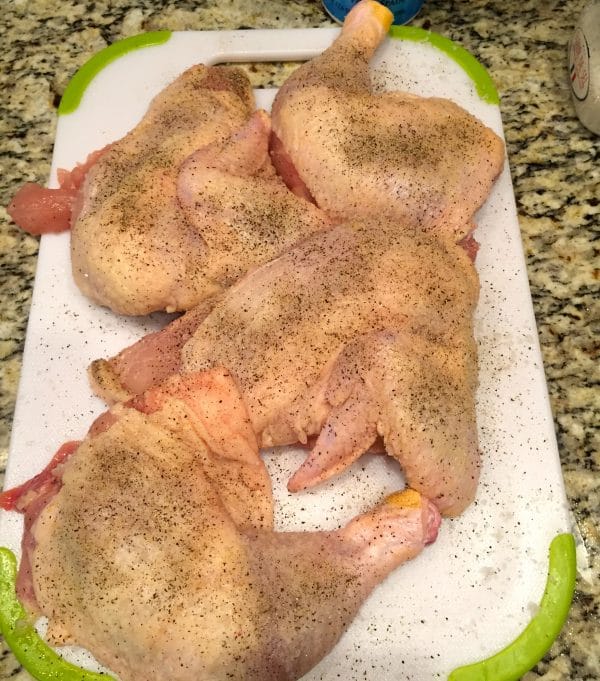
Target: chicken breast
360 331
424 162
157 553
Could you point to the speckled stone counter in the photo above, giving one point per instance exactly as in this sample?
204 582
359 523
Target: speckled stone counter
555 169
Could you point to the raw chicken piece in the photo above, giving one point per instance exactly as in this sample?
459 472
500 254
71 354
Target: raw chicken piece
424 162
158 556
245 214
39 210
148 362
132 249
359 331
419 396
31 498
182 230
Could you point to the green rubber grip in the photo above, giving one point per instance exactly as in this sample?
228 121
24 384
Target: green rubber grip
78 84
534 642
37 657
484 85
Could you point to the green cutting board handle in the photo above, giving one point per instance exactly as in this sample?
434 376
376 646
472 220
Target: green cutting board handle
507 665
484 85
532 644
77 86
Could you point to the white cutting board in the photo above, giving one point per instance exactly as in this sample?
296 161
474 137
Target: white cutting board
477 587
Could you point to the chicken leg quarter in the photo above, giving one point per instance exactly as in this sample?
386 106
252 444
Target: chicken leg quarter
187 202
158 555
358 331
423 162
131 247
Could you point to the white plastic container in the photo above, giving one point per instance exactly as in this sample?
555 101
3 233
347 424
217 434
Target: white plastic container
584 67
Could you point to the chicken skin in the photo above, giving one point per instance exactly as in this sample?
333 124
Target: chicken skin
241 209
175 211
158 555
424 162
360 331
131 247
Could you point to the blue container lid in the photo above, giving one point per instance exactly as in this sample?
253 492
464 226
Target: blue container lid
403 10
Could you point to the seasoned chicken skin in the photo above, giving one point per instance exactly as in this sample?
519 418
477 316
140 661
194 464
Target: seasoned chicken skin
424 162
187 202
157 554
132 249
241 209
360 331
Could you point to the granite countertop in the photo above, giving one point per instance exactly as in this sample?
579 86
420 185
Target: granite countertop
555 170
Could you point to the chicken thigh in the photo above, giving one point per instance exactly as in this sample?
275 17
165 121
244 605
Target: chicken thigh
241 209
131 246
157 553
424 162
187 202
360 331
